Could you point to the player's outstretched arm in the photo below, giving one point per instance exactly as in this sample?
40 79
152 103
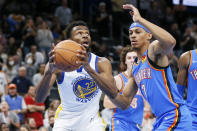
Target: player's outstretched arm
123 101
107 103
43 88
106 81
183 65
104 77
166 41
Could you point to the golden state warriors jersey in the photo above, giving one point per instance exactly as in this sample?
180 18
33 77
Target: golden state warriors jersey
79 95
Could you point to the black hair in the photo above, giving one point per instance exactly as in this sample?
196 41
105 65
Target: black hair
72 25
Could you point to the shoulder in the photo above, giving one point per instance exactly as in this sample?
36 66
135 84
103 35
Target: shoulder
104 65
118 81
185 59
102 61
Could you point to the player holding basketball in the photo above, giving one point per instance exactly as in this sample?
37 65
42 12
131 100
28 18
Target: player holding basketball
79 92
130 119
152 74
187 77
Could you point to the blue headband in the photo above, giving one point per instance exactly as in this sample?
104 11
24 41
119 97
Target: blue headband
135 24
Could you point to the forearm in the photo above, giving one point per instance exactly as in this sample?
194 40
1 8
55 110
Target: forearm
109 88
39 108
108 103
160 34
17 125
43 88
121 102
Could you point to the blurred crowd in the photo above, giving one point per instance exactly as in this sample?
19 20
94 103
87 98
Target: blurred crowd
28 29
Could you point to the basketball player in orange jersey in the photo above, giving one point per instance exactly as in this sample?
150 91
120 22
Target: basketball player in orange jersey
152 75
78 90
187 77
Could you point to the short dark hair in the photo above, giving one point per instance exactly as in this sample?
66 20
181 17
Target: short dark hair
72 25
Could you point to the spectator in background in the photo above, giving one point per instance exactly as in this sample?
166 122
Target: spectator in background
155 14
64 14
29 34
44 38
187 41
3 80
10 68
56 31
11 46
194 34
51 122
35 109
3 40
25 128
3 55
34 53
50 111
30 67
23 83
169 17
174 30
16 102
4 127
103 18
31 123
9 117
38 76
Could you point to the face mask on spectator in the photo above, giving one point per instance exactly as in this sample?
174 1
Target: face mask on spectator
29 61
11 63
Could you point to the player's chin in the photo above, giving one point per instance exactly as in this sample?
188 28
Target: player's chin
87 48
135 46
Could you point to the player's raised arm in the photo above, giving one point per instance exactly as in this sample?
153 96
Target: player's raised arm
43 88
166 41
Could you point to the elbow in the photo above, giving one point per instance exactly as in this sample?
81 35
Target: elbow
172 42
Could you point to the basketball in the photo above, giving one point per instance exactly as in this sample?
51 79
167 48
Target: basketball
65 55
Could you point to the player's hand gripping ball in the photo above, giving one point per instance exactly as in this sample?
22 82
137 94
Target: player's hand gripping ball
65 55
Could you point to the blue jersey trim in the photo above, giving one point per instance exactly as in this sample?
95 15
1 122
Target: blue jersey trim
62 78
90 56
96 61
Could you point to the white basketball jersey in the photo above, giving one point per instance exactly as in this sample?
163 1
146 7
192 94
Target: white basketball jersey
3 82
80 97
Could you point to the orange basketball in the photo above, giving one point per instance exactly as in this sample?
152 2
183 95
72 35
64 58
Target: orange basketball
65 55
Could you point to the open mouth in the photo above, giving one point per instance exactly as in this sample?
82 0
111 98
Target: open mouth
85 44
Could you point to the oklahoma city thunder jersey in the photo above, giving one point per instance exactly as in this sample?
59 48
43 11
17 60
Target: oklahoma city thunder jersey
157 86
130 119
80 97
192 83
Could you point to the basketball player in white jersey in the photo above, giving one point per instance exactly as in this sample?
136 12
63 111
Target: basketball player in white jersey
79 92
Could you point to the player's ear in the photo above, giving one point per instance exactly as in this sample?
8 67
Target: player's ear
149 36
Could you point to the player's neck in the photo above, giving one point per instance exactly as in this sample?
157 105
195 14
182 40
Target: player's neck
141 50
